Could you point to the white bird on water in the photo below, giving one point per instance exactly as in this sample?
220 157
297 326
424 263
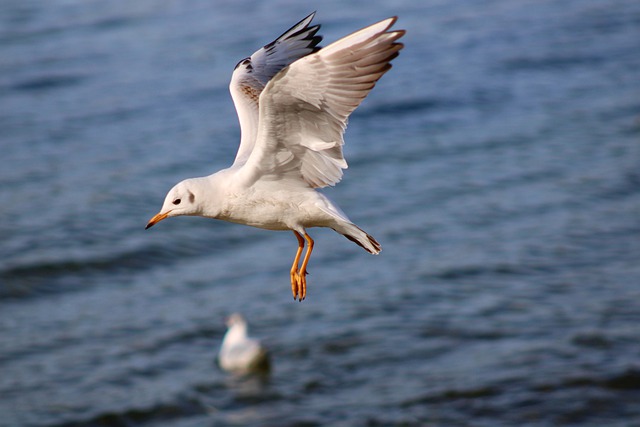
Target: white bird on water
293 100
238 352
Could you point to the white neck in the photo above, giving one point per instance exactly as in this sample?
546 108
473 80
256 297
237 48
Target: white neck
237 333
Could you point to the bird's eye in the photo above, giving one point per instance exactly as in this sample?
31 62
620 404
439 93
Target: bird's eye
177 201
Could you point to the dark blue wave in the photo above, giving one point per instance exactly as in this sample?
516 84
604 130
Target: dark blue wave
48 82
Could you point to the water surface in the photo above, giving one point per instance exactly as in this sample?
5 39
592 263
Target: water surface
498 163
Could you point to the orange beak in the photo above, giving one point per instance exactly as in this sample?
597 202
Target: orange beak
156 219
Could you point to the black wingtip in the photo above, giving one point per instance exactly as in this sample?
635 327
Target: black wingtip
312 30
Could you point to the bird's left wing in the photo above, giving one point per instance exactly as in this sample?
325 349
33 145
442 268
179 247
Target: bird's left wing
252 74
304 108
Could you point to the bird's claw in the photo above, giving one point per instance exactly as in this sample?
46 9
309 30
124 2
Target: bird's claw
299 285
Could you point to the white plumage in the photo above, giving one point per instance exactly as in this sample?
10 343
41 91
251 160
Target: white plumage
293 101
239 353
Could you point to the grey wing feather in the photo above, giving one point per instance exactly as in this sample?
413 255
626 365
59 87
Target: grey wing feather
252 74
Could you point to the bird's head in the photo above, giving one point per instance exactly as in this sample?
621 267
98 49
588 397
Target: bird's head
182 199
235 319
237 328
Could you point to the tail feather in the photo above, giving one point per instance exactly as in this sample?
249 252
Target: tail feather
361 238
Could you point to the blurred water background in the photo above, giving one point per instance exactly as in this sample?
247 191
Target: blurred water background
498 163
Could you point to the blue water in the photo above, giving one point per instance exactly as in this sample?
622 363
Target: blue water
498 164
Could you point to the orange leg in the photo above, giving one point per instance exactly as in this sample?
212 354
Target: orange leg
302 275
294 267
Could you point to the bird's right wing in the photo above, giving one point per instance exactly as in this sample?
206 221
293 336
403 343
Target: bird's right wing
252 74
304 109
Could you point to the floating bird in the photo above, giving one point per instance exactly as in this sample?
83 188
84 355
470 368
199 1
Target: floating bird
239 353
293 100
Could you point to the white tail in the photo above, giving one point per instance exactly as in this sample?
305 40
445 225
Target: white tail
360 237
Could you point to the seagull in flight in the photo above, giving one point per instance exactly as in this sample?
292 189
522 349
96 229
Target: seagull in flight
293 101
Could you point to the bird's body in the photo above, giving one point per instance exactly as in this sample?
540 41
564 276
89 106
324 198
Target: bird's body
293 101
240 353
293 207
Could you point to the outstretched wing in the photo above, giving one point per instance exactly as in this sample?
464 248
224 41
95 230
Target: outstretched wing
252 74
304 109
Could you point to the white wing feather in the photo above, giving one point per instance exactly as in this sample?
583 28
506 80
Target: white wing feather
303 110
252 74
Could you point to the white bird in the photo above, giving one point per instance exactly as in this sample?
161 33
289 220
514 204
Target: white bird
238 352
293 100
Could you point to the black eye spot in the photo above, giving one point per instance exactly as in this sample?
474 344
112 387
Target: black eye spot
177 201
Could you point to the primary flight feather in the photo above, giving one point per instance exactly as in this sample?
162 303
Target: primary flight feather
293 101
